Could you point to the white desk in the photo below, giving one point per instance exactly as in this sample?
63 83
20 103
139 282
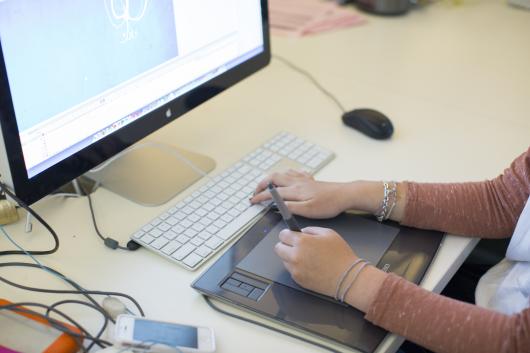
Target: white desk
454 80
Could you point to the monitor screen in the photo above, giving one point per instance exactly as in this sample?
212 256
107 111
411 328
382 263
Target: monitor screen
81 76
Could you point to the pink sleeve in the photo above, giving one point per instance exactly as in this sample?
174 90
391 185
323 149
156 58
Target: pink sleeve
489 209
444 325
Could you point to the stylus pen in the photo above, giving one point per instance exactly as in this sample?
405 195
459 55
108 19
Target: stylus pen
287 216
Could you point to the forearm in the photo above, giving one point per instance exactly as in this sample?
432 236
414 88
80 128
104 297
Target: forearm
445 325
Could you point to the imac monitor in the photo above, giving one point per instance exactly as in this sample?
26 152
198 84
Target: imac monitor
80 81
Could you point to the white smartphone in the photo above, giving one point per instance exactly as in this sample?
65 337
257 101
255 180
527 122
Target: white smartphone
162 337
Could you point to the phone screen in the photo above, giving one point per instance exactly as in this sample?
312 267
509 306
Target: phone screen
168 334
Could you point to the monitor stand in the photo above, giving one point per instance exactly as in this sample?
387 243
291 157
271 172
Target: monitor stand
151 173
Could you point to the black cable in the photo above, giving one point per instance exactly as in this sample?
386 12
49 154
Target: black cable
106 316
6 190
312 79
108 241
216 308
58 291
55 323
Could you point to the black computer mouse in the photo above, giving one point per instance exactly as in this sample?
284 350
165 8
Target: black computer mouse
370 122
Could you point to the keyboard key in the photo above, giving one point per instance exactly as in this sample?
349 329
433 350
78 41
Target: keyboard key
195 205
156 222
223 196
209 206
213 229
186 223
216 201
220 210
155 233
164 227
228 204
172 221
197 241
147 228
226 218
170 235
242 206
201 212
213 242
188 210
193 218
178 229
234 212
138 234
179 215
184 251
198 227
219 223
147 238
205 235
160 242
203 251
209 194
182 238
205 221
171 247
213 216
190 232
192 260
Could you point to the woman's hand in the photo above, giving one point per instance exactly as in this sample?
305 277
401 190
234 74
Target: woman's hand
315 258
317 199
304 195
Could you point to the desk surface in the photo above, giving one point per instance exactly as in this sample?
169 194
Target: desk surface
454 80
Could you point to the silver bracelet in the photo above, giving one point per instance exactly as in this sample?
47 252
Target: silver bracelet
355 275
389 201
343 277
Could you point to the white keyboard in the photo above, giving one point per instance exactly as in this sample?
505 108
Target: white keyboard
196 228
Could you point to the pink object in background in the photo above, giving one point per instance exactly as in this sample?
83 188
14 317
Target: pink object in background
6 350
298 18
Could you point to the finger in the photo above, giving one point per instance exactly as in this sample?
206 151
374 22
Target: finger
290 193
262 196
285 252
295 173
278 179
289 237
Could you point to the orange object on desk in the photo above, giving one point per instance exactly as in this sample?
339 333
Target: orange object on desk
33 333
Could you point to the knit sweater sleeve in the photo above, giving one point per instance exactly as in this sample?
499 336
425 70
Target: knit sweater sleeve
445 325
488 209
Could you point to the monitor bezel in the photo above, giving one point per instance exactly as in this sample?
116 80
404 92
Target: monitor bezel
33 189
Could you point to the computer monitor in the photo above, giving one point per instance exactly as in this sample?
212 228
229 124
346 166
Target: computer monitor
80 81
